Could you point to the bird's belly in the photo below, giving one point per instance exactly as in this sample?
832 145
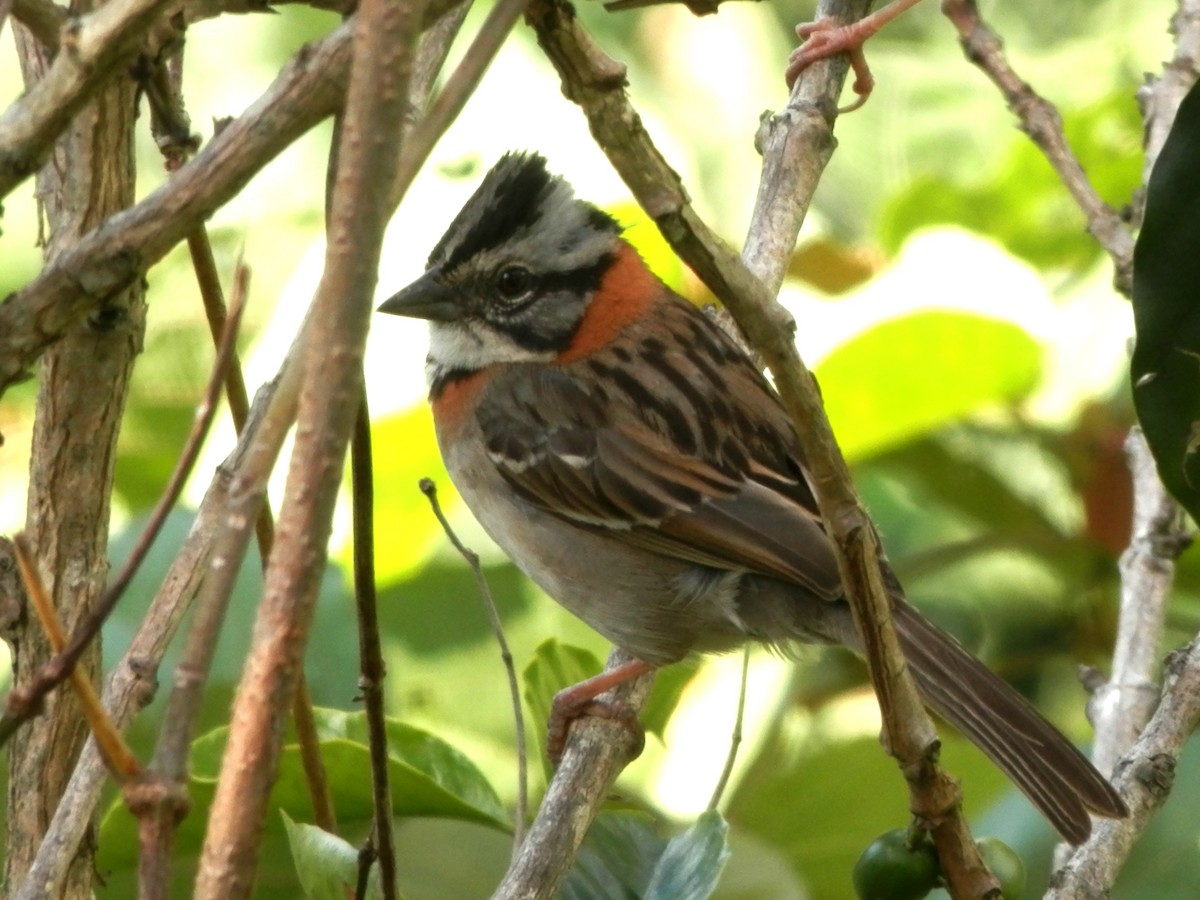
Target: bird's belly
635 598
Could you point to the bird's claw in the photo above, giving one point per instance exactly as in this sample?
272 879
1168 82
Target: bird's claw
822 39
564 714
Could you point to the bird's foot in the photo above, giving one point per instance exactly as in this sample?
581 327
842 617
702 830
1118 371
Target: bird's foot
825 37
581 700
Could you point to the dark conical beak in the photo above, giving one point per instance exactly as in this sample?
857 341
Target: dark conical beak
426 298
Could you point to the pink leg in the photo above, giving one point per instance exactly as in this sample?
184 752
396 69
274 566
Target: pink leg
824 38
580 700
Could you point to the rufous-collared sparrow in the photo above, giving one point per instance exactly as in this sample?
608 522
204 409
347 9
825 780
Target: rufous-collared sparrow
634 463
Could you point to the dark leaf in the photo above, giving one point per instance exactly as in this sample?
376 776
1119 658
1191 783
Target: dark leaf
1166 308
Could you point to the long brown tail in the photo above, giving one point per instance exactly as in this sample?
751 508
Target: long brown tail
1048 769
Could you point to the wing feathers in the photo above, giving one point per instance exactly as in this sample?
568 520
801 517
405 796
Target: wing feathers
726 494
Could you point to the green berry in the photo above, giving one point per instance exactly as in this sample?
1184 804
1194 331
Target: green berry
895 868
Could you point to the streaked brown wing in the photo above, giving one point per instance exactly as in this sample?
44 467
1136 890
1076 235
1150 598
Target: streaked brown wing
599 463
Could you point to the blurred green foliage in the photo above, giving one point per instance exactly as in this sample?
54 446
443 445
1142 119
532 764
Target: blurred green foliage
986 442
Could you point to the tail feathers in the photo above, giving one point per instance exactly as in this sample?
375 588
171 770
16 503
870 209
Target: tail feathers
1048 769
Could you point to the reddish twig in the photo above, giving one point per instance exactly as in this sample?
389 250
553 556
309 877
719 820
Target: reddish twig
117 756
376 101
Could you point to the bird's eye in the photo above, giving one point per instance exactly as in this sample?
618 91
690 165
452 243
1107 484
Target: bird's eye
513 282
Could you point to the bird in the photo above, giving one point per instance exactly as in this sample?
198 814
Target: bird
636 464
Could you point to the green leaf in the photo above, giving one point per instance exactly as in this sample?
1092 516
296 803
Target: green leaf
911 374
1166 272
554 666
1020 201
623 857
617 858
428 778
691 865
326 865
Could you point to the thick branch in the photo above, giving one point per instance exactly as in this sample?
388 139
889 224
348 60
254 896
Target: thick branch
384 41
83 386
1144 779
116 254
796 144
1145 774
92 50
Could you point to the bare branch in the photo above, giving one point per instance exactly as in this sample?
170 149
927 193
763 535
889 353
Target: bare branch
205 268
1040 120
1145 773
160 798
114 255
429 489
376 101
598 750
92 50
82 390
1144 778
372 669
1121 708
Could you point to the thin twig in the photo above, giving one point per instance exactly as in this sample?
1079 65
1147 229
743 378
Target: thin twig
316 778
458 88
599 749
159 76
372 669
132 683
385 36
366 859
1040 120
119 758
24 702
429 489
735 735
